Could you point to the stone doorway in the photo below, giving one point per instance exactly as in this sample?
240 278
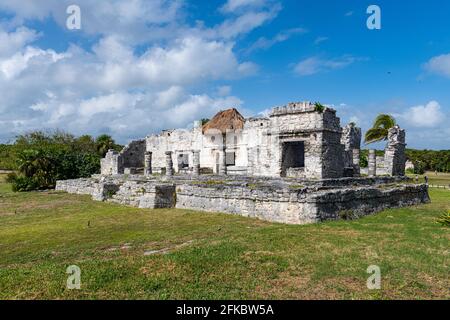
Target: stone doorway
183 161
293 158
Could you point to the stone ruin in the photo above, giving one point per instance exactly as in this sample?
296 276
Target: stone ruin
298 165
393 163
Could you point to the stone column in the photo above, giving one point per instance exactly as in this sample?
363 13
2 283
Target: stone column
169 164
148 164
250 162
222 163
356 156
372 163
196 163
394 156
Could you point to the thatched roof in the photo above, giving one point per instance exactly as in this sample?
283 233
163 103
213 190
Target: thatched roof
229 119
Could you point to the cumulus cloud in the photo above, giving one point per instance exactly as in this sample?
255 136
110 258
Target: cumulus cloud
439 65
11 42
426 116
134 20
144 68
111 89
313 65
143 21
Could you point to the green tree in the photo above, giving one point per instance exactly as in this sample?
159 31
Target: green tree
380 129
104 142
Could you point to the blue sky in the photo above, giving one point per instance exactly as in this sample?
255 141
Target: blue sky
136 67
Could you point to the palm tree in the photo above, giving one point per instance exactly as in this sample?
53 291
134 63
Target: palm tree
380 129
104 142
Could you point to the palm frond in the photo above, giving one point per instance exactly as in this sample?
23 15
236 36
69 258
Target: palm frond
385 121
375 135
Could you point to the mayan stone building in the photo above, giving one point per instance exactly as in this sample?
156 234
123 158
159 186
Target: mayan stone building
296 140
296 166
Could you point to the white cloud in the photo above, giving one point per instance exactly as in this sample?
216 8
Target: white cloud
113 90
144 21
137 76
133 21
426 116
439 65
233 5
315 65
223 91
170 97
13 66
16 40
264 43
246 22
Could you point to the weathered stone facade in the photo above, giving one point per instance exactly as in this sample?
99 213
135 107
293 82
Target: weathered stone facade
394 157
132 156
351 139
372 163
298 140
277 200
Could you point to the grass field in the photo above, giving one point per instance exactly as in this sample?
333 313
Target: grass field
214 256
441 179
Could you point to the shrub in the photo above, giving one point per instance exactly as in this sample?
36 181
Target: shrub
320 108
41 168
444 219
41 158
7 153
363 162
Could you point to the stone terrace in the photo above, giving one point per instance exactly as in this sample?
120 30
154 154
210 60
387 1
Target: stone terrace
292 201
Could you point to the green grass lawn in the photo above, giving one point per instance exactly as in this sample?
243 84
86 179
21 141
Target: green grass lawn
442 179
214 256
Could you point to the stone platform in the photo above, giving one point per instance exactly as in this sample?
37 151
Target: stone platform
291 201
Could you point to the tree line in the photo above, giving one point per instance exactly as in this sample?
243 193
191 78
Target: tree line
423 160
40 158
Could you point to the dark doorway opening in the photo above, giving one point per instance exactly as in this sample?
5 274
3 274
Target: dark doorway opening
293 156
183 161
230 158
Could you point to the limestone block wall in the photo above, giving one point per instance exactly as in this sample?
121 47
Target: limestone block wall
394 157
179 141
133 154
301 206
332 155
145 195
263 154
351 139
77 186
182 142
321 134
112 163
282 206
367 200
275 201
